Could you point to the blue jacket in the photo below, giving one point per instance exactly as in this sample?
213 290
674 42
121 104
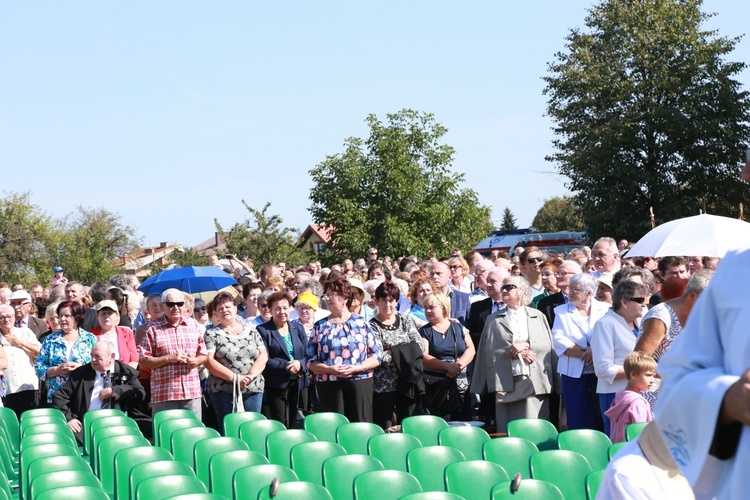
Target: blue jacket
275 373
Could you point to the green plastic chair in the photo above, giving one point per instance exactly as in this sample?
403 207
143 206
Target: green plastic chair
590 443
41 412
339 473
294 490
391 449
354 436
55 418
8 461
380 484
248 481
107 449
529 489
32 453
279 445
632 431
467 439
53 464
89 417
9 420
307 459
60 479
565 469
127 459
58 427
232 421
183 442
166 415
540 432
162 487
612 450
74 493
593 481
198 496
511 453
52 437
167 428
324 425
473 478
425 428
222 466
432 495
205 450
5 492
428 465
254 433
107 432
159 468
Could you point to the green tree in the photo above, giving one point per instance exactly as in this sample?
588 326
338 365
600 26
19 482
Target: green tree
186 257
559 213
395 191
262 238
509 220
648 113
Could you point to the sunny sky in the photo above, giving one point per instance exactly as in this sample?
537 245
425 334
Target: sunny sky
171 113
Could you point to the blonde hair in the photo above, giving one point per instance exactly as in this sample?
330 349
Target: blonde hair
441 299
636 363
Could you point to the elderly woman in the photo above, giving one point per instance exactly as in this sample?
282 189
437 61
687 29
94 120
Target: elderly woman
663 323
449 347
21 348
393 330
64 351
516 359
200 314
613 337
358 303
571 335
264 311
121 337
285 373
342 353
118 295
236 355
420 289
51 319
459 270
306 305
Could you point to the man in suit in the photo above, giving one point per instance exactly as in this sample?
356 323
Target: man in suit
20 301
440 274
102 383
567 270
482 309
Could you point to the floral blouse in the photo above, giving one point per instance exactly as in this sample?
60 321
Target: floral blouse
236 352
401 332
347 343
54 352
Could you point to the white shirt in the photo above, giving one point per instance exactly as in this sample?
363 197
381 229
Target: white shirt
519 323
20 374
96 403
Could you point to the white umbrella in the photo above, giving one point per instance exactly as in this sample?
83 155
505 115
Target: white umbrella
705 235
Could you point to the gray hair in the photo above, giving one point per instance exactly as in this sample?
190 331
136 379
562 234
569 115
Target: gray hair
626 272
51 309
172 291
698 281
523 287
303 274
106 343
626 290
264 295
586 282
313 286
7 308
610 242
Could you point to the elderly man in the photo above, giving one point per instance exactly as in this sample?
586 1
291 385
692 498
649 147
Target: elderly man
547 305
606 256
102 383
36 291
531 262
480 280
20 301
440 274
482 309
5 294
173 349
74 291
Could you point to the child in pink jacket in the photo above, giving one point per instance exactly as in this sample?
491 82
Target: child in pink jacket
629 406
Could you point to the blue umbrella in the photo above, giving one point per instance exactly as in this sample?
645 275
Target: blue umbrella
188 279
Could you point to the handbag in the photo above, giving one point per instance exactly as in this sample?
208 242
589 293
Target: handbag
238 402
443 396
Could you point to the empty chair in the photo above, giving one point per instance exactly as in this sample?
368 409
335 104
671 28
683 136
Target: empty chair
432 495
467 439
565 469
105 421
294 490
161 487
128 458
58 479
232 421
167 428
592 444
529 489
222 466
248 481
166 415
53 464
339 473
52 437
159 468
428 465
254 433
5 491
613 449
473 478
425 428
106 432
197 496
632 431
324 425
540 432
107 449
9 419
354 436
32 453
46 427
391 449
205 450
381 484
279 445
307 459
182 442
39 412
74 493
593 480
511 453
89 417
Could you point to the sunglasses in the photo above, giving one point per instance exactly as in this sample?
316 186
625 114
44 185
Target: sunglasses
640 300
264 306
455 267
508 288
173 304
202 309
534 260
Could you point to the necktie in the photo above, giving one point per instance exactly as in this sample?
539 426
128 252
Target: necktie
106 383
18 323
496 306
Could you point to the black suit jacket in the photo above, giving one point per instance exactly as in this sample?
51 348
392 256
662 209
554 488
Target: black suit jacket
547 306
275 373
478 314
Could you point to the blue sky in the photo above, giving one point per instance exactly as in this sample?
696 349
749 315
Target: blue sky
171 113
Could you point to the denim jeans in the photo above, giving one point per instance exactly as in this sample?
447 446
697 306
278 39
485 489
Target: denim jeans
222 402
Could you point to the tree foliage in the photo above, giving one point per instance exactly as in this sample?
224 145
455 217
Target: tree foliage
262 238
648 113
559 213
25 234
395 191
186 257
509 220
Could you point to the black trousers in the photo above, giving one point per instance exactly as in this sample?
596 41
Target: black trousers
21 401
353 398
383 404
283 403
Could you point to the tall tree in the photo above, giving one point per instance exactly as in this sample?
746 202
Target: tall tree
509 220
559 213
648 113
395 190
25 233
186 257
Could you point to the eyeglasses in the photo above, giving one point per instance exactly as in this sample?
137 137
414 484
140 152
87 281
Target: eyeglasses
201 309
455 267
508 287
640 300
173 304
5 318
19 305
534 260
264 306
563 273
